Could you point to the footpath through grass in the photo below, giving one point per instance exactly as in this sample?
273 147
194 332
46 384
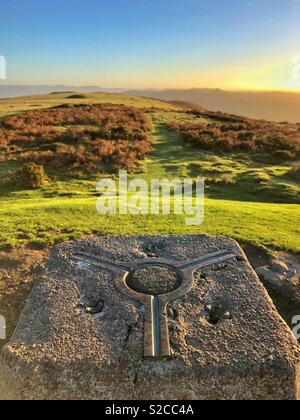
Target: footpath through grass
67 209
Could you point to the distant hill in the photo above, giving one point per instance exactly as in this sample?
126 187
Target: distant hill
10 106
276 106
188 105
11 91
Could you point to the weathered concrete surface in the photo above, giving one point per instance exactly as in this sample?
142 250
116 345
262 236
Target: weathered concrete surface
78 338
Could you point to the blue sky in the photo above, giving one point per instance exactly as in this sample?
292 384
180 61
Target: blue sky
151 43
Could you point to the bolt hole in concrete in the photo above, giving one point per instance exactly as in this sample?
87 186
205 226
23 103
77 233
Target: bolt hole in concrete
217 312
153 280
92 308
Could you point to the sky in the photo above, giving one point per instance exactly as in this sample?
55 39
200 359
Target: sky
227 44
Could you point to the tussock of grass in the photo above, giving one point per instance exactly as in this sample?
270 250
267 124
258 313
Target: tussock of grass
29 176
256 177
294 172
223 180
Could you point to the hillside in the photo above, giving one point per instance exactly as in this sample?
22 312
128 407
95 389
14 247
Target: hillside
274 106
85 138
11 91
26 103
250 195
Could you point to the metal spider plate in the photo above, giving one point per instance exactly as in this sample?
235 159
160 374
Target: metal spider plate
156 331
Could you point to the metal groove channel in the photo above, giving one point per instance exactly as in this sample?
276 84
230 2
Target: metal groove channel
156 326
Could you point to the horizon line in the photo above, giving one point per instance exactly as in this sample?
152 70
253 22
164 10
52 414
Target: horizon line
266 90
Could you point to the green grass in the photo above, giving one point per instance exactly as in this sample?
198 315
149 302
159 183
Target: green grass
46 221
66 209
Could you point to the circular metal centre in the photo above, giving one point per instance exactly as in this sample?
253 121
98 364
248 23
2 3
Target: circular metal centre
153 280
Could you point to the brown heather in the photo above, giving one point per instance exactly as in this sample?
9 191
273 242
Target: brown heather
225 133
86 137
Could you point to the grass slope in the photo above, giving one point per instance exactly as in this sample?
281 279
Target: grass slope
44 221
66 208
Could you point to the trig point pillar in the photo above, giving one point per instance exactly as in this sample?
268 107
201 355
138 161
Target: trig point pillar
150 317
